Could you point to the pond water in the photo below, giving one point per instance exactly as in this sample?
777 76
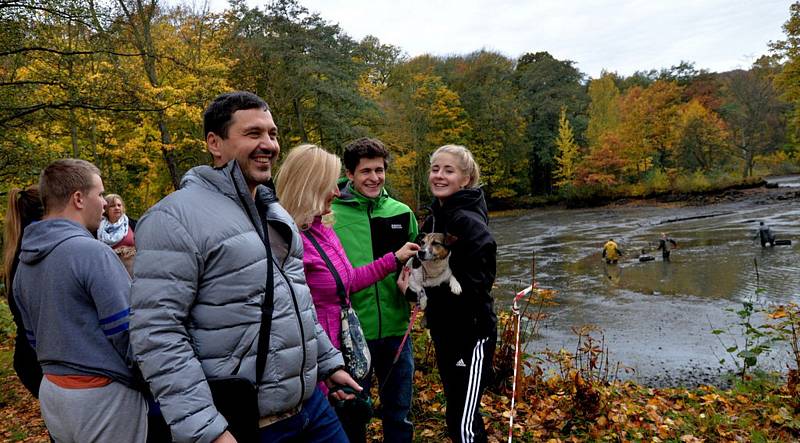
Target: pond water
656 316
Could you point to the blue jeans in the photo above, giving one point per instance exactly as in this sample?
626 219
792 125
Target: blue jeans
316 422
395 384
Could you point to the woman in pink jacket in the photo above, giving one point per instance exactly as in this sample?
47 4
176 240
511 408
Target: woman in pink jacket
306 187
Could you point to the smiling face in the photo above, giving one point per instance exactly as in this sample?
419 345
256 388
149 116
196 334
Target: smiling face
446 176
252 141
369 176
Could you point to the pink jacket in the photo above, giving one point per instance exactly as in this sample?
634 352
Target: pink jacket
321 281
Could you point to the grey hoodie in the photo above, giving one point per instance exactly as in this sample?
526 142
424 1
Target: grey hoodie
73 294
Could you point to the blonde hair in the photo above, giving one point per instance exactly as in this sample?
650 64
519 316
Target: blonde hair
465 161
24 207
111 198
304 182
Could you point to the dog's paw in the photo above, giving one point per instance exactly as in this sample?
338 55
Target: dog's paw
455 286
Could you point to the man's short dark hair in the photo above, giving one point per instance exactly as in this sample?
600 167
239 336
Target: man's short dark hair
364 148
62 178
217 116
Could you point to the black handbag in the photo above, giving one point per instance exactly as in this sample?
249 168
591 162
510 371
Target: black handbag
235 396
353 344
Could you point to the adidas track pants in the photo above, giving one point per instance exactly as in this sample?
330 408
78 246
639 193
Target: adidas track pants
465 367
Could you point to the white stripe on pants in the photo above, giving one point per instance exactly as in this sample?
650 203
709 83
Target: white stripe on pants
473 388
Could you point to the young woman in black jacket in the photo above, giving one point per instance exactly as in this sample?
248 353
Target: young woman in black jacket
463 326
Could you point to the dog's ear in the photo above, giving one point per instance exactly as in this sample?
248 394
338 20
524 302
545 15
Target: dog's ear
450 239
419 238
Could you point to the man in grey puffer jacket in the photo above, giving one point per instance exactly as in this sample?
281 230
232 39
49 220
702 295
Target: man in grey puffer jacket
199 282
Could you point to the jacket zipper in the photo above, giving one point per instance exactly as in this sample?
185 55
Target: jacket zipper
299 323
377 292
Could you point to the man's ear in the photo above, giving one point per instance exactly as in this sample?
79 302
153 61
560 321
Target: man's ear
77 200
348 174
214 144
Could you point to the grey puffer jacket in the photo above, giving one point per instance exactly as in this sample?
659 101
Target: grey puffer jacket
199 281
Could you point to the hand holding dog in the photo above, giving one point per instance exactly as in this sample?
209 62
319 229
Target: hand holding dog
407 251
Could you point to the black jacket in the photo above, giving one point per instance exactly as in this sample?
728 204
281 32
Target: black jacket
473 262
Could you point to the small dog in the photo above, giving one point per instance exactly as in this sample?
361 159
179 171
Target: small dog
431 266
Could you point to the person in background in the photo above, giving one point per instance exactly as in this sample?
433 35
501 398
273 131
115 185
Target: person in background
666 245
24 208
765 234
306 186
205 255
73 295
611 251
464 326
370 223
116 230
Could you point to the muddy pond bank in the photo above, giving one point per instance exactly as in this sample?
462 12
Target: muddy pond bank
657 317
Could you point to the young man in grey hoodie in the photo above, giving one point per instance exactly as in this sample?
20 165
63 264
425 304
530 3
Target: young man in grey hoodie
72 292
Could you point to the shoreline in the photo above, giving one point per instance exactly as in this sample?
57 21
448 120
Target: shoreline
732 193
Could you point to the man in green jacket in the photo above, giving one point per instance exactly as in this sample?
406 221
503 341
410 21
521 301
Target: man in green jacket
370 223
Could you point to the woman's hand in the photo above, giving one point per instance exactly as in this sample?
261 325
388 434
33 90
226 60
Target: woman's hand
402 279
407 251
342 378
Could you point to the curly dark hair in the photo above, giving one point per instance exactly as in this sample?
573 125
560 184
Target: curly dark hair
364 148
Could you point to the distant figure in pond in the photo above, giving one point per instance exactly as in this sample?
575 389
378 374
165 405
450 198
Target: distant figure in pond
765 235
644 256
611 252
666 245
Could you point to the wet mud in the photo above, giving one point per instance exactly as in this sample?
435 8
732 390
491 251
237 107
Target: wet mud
657 316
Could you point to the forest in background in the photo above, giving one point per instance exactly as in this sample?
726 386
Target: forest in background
123 83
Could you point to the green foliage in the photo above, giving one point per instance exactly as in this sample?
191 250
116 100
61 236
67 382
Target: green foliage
8 330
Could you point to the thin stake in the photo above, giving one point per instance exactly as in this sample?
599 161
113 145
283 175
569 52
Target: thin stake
518 314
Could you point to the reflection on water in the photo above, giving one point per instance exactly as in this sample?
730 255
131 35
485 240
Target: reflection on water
655 314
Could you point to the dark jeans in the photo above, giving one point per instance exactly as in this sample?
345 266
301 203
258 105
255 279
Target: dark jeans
316 422
395 385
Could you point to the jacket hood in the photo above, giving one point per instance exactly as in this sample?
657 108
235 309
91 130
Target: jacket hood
227 180
464 199
349 195
42 237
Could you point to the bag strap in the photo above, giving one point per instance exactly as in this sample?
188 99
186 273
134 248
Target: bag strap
339 285
268 304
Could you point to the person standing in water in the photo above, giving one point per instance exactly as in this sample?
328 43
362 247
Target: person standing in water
611 252
666 245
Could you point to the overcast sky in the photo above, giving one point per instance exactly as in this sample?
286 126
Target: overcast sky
616 35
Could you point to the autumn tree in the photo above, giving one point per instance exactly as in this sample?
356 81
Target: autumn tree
545 85
306 69
754 114
701 139
646 125
424 113
567 152
484 83
788 80
603 107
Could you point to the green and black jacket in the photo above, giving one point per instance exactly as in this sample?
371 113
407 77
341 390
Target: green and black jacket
368 229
